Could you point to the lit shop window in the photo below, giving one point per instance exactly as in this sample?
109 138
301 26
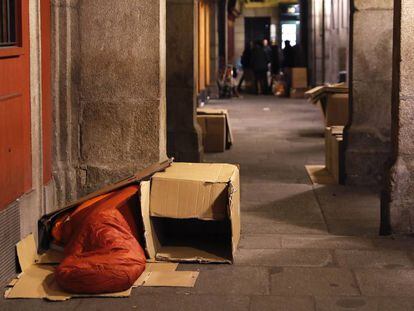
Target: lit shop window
289 32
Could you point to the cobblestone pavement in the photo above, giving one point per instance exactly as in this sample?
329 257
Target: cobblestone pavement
303 247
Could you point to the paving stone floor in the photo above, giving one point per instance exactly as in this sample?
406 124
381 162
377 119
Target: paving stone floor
303 247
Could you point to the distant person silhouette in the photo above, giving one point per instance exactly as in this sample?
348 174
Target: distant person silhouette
288 63
259 65
268 50
288 55
246 62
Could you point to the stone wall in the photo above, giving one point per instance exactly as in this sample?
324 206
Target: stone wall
184 135
368 137
65 98
109 59
398 197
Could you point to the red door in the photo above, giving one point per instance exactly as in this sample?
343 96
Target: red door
15 140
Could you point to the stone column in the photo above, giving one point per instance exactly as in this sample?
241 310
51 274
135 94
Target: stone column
398 198
214 49
368 136
223 35
122 88
184 135
65 98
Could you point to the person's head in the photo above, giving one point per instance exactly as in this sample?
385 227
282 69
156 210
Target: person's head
265 42
287 43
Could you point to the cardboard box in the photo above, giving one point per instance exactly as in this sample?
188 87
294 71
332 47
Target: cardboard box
328 153
333 170
214 132
297 93
337 110
299 78
191 213
319 93
334 152
218 112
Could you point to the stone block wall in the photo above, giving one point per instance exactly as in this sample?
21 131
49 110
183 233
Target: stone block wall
398 196
368 136
110 91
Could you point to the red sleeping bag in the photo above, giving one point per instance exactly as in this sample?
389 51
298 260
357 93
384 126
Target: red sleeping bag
102 251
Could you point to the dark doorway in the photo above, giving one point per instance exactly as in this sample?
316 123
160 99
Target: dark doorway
256 28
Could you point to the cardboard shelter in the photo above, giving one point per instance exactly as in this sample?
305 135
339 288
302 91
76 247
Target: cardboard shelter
46 222
216 129
332 172
190 212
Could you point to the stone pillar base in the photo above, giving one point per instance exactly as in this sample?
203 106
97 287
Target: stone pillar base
185 146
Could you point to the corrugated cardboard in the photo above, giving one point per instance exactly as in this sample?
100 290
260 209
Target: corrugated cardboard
188 190
328 153
299 78
191 213
337 110
37 278
333 170
46 223
214 132
318 174
212 111
334 152
164 274
171 279
155 266
320 92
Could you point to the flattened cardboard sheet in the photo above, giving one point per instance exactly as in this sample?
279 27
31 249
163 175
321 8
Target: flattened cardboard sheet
37 280
318 174
155 266
192 254
171 279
